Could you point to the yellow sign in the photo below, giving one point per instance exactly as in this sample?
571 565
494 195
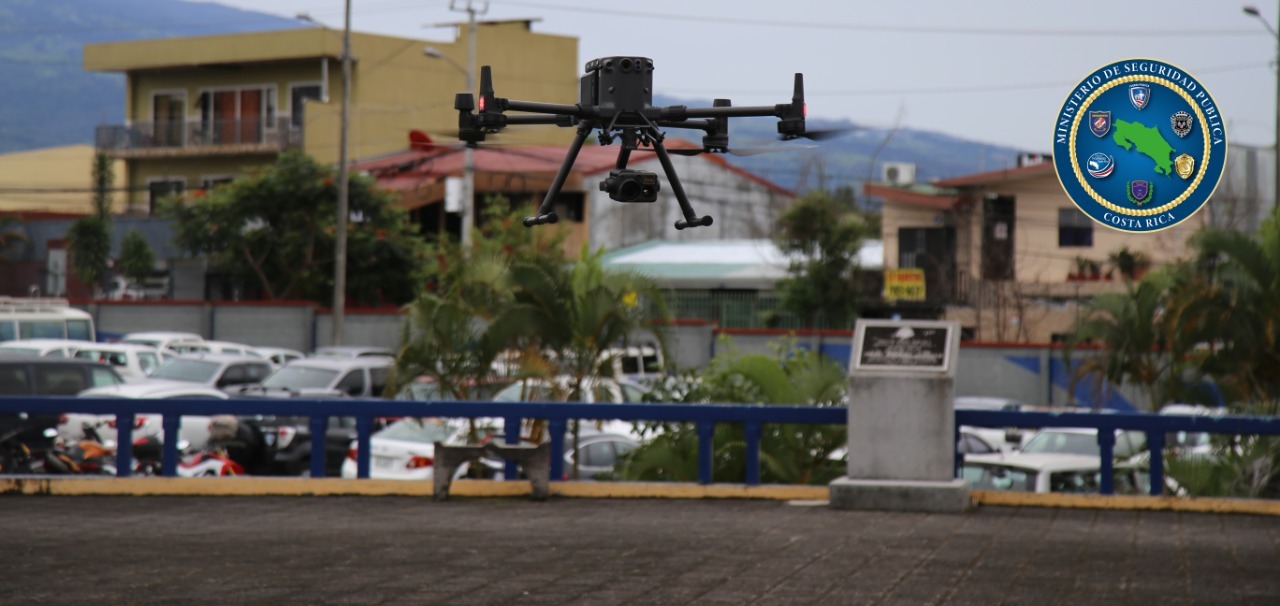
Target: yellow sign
904 284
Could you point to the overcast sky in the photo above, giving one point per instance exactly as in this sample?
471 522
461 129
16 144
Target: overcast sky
990 70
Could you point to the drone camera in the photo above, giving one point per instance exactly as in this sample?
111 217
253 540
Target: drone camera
625 185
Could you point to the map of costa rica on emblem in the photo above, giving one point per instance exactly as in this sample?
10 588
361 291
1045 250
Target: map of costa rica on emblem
1161 132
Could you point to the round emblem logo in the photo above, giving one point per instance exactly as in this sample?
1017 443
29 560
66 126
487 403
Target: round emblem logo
1139 145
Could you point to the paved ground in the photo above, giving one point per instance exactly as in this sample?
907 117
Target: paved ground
407 550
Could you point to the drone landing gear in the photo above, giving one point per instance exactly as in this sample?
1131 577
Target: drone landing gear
691 219
547 215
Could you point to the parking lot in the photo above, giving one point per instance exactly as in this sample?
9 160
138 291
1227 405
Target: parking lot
411 550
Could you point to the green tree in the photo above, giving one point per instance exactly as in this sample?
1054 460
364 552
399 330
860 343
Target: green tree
275 228
789 454
89 245
1135 346
9 236
103 177
136 259
823 237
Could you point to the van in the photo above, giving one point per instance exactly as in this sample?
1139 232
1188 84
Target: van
637 362
22 375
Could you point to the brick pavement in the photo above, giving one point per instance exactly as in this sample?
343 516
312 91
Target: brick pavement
410 550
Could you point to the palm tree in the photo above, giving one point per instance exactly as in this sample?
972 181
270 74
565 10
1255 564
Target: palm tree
1237 305
577 314
1128 326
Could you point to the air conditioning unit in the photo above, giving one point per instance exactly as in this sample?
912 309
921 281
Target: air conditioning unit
898 173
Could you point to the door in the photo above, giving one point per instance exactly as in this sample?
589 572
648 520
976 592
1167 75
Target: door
168 112
932 249
251 116
997 238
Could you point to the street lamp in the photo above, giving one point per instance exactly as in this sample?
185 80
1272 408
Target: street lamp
468 156
1252 10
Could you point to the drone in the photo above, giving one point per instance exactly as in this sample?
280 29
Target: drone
616 98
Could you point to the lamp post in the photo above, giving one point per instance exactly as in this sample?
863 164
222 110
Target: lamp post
468 154
340 246
1252 10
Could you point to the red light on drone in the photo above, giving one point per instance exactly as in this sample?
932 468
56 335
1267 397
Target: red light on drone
482 103
804 110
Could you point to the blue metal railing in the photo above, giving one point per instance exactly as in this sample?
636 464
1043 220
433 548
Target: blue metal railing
704 417
1154 426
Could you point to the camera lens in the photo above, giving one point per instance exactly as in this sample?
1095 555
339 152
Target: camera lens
630 190
625 64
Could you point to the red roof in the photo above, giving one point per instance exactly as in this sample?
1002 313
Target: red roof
997 176
406 170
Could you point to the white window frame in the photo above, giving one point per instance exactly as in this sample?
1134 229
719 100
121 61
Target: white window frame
268 90
186 108
168 179
293 85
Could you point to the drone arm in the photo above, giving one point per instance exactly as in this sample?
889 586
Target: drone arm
558 120
705 125
691 219
745 111
543 108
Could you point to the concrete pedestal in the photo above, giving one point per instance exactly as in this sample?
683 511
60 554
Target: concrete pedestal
902 420
900 495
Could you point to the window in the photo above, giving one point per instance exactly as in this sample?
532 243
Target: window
1075 230
211 182
80 330
13 381
352 384
102 377
378 380
158 190
41 329
298 96
54 380
236 115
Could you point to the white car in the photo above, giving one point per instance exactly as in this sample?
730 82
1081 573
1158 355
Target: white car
404 450
133 362
218 371
193 430
162 340
279 356
216 347
362 377
595 390
45 348
1046 473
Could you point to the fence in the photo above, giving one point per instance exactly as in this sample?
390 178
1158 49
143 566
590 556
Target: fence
704 416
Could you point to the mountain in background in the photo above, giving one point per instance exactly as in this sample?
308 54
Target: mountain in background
49 100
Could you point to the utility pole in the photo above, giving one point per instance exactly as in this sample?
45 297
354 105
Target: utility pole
340 247
1253 11
468 155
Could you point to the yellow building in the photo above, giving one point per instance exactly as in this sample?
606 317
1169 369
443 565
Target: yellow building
1006 253
55 180
202 110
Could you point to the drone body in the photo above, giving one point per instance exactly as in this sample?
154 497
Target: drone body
616 98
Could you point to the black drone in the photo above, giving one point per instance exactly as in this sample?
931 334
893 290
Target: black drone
616 98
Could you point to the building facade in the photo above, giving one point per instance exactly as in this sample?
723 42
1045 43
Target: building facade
1007 253
200 111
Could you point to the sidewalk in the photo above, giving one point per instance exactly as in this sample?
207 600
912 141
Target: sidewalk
411 550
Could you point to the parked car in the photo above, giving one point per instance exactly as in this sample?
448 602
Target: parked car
193 430
162 340
25 375
637 362
49 348
352 351
403 450
364 377
216 347
134 362
1045 473
605 390
1005 439
1191 443
219 371
1083 441
279 356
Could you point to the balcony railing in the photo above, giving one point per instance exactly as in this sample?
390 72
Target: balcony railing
198 135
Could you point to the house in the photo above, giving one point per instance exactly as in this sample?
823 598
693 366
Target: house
1006 253
743 205
202 110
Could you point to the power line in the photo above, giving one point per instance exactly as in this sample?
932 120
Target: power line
898 29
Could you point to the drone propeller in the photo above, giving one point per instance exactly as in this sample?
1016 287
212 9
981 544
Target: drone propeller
739 151
821 134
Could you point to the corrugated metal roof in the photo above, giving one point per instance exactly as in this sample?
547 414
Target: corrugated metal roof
747 264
